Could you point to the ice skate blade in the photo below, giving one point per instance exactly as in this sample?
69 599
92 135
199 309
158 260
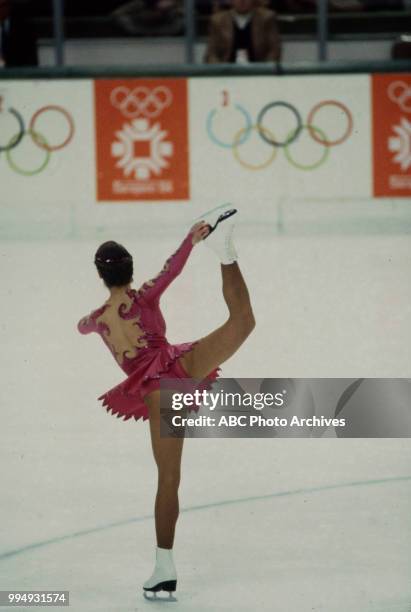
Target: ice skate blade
212 210
167 585
214 213
222 217
154 597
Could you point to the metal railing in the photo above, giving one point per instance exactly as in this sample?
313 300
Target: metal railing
206 70
190 31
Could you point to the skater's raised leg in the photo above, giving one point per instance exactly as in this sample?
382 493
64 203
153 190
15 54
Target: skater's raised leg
218 346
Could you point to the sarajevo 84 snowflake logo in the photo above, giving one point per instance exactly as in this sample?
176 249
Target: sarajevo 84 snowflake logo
142 149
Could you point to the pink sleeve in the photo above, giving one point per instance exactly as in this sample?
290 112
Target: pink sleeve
153 289
86 325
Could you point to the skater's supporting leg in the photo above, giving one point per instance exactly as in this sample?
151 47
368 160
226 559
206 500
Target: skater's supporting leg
222 343
167 454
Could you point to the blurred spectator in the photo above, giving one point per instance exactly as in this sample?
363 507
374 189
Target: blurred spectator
18 45
245 33
151 17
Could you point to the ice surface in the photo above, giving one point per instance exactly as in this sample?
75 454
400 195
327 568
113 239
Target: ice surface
291 525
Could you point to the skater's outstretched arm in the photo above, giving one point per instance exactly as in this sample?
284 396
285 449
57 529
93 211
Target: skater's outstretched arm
152 289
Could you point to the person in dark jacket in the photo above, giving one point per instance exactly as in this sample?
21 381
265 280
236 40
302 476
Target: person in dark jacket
18 44
245 33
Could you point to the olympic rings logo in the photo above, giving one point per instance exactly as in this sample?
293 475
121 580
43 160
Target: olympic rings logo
37 138
316 133
141 101
400 93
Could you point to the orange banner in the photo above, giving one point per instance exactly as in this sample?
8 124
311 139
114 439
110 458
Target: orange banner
391 101
141 139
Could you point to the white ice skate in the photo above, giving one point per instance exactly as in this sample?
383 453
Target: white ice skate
220 239
164 577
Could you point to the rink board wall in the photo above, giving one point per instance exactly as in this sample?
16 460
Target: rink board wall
144 142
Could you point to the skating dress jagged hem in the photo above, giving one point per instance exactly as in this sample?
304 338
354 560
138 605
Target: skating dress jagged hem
126 399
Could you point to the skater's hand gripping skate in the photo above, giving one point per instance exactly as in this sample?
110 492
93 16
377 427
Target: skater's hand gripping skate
220 224
199 231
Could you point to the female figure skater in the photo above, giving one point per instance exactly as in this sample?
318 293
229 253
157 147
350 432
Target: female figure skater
132 326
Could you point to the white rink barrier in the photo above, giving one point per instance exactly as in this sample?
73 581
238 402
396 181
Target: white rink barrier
78 156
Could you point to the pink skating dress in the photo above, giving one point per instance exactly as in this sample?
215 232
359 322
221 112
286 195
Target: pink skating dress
142 325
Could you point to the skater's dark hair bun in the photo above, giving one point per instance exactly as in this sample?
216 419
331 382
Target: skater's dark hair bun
114 264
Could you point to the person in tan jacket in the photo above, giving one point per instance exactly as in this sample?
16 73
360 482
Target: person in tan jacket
245 33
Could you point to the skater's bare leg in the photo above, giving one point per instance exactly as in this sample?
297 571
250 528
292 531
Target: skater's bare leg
222 343
167 454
